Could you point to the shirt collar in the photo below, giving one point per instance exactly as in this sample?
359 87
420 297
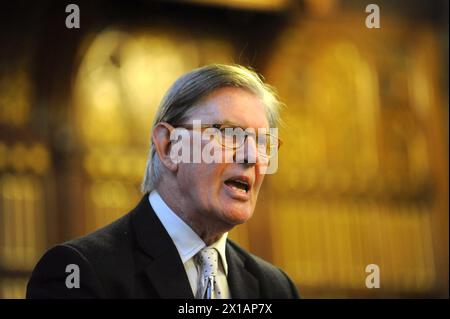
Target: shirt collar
187 242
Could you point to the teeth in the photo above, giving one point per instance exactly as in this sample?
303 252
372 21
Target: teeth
236 183
239 189
244 184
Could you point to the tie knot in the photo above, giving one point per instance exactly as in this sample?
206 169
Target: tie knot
208 259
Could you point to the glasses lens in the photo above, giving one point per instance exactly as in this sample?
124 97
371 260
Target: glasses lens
267 145
232 137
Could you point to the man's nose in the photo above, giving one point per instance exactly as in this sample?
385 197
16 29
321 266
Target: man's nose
250 150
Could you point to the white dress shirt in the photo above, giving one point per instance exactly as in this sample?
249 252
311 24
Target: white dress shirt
188 244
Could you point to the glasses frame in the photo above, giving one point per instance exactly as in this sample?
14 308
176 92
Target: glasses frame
224 126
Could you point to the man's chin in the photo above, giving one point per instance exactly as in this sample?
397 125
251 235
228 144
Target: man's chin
237 214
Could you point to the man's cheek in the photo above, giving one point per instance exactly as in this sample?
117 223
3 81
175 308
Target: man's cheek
258 183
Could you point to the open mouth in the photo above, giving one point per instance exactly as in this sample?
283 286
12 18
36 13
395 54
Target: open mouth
238 185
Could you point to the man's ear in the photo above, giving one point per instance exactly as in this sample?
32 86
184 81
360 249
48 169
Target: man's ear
162 142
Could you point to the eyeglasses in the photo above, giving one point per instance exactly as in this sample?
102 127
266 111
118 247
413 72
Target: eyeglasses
233 137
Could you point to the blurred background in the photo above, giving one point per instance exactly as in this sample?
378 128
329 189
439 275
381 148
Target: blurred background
363 171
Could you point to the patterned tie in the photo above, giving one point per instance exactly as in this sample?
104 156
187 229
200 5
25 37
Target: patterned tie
207 289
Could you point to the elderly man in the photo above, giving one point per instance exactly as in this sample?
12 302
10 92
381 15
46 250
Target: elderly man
174 243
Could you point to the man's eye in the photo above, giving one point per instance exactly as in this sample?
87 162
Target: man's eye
262 139
229 135
228 131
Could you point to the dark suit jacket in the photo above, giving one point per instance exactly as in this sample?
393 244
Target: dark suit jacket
134 257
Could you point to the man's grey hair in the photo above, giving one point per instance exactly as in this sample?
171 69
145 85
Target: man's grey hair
190 88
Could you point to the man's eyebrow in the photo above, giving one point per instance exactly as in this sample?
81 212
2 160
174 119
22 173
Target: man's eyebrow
227 122
221 122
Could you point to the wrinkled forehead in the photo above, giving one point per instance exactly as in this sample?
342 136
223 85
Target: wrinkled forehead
230 105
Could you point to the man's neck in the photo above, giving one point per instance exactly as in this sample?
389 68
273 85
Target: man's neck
209 232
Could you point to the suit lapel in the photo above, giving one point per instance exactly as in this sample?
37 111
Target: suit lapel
163 265
165 269
242 284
